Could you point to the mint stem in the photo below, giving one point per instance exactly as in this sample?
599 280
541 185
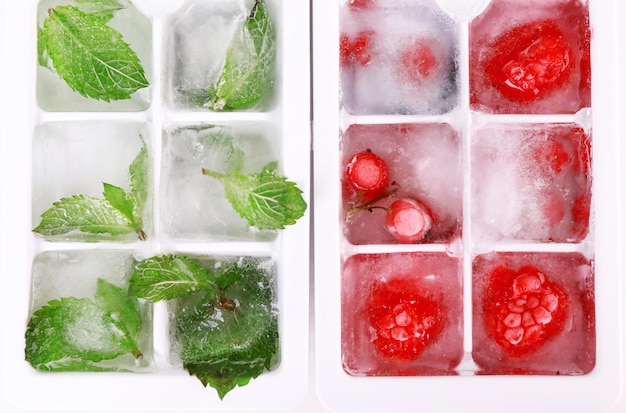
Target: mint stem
214 174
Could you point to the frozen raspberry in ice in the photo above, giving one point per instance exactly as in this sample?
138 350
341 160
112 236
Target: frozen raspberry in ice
529 61
553 156
356 50
524 309
360 4
408 220
367 174
419 62
404 319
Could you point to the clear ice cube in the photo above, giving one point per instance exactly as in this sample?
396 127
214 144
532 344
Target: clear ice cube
194 205
77 157
54 94
76 275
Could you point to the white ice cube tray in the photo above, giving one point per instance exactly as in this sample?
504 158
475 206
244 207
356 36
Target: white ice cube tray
468 391
164 386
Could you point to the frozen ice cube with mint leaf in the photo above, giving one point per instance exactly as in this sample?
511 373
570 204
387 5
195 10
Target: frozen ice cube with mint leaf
223 314
115 213
89 323
222 56
93 54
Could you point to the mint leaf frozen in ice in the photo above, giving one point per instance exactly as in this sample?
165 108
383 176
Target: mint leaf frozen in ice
118 213
265 200
67 333
225 346
90 56
169 277
122 306
248 73
85 214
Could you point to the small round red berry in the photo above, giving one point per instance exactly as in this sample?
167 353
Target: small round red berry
367 174
408 220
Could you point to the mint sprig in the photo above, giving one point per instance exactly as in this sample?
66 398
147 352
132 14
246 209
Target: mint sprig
223 320
249 69
265 200
74 334
91 57
120 212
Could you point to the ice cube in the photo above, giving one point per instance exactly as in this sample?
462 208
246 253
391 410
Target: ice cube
424 163
398 59
555 331
401 314
54 93
531 183
77 157
199 37
73 280
530 57
194 205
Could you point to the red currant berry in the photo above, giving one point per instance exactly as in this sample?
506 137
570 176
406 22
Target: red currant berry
408 220
367 174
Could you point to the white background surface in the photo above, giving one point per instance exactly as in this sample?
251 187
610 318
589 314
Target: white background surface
15 102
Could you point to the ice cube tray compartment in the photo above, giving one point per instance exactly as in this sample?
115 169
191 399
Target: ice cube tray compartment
483 376
74 145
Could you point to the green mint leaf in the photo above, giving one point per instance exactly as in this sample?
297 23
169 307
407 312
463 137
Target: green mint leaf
249 69
169 277
91 57
103 9
226 347
122 307
75 329
42 54
83 213
138 173
119 200
265 200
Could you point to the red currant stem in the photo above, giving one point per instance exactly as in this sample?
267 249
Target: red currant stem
368 206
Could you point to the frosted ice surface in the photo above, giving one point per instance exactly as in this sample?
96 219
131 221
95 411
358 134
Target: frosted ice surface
391 81
200 34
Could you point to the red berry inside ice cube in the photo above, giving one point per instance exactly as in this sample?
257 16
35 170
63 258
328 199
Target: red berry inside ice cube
404 319
360 4
367 174
418 62
530 61
523 309
408 220
355 51
553 156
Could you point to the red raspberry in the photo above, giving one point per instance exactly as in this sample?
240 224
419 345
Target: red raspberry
357 50
553 156
418 61
530 61
404 318
523 309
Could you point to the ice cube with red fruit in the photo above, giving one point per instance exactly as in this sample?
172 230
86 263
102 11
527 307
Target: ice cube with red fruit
401 314
397 58
533 313
530 57
402 183
531 182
